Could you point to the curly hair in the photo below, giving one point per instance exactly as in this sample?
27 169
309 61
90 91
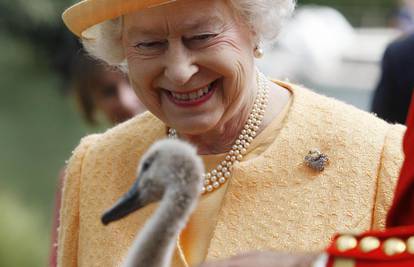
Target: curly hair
264 17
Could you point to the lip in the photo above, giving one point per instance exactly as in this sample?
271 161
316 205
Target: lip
196 102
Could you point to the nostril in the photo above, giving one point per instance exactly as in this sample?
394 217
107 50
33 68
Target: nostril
180 74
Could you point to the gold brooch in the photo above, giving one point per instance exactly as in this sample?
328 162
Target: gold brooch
316 160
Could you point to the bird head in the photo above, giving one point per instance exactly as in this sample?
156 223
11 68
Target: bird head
170 166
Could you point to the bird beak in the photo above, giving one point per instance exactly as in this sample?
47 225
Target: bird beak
127 204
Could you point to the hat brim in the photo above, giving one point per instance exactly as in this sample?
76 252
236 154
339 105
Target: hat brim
88 13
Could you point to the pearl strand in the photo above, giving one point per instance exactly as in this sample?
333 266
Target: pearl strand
222 172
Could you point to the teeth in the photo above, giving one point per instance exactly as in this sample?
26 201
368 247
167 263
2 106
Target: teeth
193 95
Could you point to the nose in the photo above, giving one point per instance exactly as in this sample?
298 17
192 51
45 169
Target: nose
179 65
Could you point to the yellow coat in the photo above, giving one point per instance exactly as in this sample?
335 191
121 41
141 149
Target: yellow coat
273 201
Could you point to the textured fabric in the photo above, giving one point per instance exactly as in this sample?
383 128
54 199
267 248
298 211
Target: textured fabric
196 237
273 200
400 219
386 178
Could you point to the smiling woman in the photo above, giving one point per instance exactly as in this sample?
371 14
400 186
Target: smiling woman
178 61
191 62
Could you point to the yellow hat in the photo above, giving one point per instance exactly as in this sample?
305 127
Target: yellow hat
88 13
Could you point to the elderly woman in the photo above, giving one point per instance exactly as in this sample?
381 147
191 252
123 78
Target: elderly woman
286 168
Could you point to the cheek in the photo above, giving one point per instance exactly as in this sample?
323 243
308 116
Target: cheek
141 70
233 60
142 74
149 96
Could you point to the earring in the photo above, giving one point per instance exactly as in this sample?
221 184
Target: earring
258 52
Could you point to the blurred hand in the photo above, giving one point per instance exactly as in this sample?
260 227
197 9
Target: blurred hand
265 259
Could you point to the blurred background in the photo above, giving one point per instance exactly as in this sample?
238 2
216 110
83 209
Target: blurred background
332 46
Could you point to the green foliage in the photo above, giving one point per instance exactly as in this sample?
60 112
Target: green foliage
360 13
22 235
38 129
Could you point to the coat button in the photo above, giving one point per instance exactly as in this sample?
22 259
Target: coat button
394 246
346 242
369 243
410 245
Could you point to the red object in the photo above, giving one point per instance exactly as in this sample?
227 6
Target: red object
400 219
377 257
402 209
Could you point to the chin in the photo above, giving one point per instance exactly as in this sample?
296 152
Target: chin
196 125
194 121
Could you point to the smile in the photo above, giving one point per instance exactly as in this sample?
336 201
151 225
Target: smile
193 98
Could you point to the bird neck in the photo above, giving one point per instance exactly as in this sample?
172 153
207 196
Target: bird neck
155 244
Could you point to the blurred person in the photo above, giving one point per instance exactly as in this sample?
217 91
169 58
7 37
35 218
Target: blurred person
97 88
392 96
287 168
316 36
403 18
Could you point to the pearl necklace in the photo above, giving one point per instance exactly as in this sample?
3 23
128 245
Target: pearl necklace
222 172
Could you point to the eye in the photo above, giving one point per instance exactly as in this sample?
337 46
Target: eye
202 37
199 40
109 90
151 46
148 162
146 165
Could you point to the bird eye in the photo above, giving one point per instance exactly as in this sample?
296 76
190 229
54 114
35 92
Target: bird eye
146 165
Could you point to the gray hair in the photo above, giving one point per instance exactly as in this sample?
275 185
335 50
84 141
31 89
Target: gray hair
264 17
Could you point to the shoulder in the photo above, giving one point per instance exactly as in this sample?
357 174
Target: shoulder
357 140
401 47
135 132
352 125
73 165
404 42
141 126
121 142
329 113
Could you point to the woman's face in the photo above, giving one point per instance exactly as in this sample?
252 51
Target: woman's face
191 63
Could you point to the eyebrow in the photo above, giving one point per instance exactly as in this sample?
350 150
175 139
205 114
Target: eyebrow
134 31
191 26
202 22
